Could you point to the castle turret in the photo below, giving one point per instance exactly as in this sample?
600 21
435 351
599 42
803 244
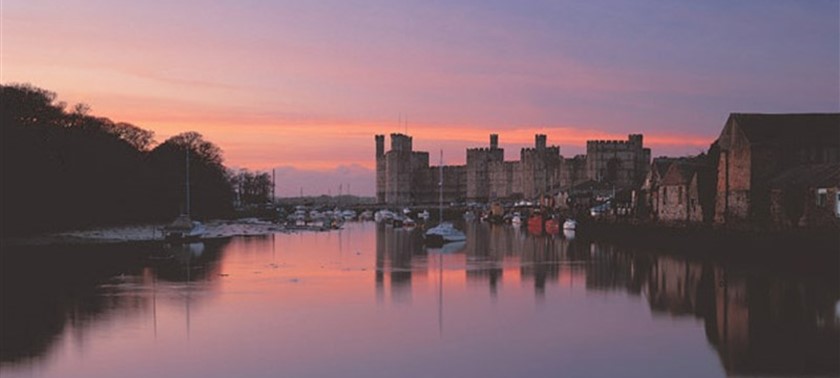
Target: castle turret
400 142
636 140
539 142
380 168
380 146
494 141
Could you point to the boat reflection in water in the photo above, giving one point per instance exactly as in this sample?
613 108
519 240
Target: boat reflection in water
371 300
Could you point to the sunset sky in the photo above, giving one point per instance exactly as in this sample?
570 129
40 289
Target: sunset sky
305 85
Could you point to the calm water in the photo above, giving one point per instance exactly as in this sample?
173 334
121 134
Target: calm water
371 301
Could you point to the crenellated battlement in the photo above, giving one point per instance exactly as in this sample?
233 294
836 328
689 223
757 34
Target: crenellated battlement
404 176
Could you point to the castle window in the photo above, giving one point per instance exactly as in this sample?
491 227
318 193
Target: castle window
680 196
822 197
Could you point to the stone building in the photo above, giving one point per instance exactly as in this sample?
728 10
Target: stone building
486 166
622 163
678 198
806 196
754 148
648 204
404 176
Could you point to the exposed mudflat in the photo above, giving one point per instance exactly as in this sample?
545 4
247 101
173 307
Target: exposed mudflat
150 232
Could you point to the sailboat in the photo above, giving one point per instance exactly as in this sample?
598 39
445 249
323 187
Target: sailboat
444 232
184 229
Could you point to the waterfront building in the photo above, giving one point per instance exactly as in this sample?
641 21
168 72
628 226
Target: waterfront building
756 148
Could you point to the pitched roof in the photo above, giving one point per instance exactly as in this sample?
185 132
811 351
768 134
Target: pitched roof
801 128
808 176
680 173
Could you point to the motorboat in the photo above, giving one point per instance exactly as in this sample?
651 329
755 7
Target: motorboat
383 216
536 223
348 214
366 215
424 215
552 226
516 221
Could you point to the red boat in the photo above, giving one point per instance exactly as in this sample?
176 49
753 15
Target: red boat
552 226
536 223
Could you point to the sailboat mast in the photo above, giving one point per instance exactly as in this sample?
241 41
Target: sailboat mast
440 191
187 180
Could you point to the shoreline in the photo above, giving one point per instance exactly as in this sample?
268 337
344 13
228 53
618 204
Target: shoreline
146 233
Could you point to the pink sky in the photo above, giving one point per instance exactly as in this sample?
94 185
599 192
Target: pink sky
306 86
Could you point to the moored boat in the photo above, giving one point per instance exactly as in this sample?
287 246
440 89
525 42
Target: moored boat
552 226
444 233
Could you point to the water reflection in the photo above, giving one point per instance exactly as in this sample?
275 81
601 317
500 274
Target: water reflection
759 322
50 292
369 295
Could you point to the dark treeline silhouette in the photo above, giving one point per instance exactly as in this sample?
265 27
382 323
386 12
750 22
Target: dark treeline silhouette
252 188
66 169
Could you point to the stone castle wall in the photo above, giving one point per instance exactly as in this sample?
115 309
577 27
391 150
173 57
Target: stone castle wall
622 163
404 176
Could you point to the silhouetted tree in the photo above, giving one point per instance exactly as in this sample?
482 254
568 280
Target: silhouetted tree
253 188
211 192
71 169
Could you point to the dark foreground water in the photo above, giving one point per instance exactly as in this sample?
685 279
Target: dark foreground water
371 301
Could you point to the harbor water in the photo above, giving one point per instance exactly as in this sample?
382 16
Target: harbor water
371 301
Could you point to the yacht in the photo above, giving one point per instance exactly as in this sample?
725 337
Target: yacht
444 233
184 229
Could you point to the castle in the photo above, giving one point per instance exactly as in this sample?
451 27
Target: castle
404 176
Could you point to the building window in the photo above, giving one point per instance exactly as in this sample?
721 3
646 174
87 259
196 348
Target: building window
822 197
680 196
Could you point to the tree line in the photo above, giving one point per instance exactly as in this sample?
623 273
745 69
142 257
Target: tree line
66 168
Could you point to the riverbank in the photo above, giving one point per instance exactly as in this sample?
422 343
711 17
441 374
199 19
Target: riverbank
216 229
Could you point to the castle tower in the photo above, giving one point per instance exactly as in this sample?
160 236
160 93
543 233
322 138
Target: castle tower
380 146
399 170
400 142
539 142
494 141
380 168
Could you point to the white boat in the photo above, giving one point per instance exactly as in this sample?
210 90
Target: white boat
516 221
424 215
366 215
348 214
184 229
383 216
570 224
444 232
